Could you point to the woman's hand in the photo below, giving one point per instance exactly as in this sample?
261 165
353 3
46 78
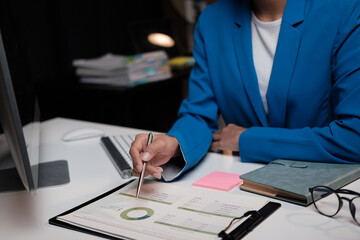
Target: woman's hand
156 154
227 138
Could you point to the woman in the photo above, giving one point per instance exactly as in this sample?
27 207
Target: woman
285 75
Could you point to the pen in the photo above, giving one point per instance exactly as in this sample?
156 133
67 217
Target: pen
142 174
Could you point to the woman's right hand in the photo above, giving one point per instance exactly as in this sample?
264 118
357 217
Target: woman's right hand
159 152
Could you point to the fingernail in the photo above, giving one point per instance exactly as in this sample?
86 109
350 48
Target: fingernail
157 175
159 170
146 156
138 168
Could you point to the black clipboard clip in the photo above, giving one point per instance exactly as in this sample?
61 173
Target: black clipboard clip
256 217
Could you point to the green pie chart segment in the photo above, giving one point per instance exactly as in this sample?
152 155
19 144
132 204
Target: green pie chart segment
148 212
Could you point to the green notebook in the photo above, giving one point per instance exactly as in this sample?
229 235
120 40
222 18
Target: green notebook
290 180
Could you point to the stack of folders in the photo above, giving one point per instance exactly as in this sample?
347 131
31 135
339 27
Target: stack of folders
290 180
120 70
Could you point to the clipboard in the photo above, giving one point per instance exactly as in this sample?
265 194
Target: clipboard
56 222
244 228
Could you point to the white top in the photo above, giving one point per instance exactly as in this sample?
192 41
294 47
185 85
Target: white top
264 40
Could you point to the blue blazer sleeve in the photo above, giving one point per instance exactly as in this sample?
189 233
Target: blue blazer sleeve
198 113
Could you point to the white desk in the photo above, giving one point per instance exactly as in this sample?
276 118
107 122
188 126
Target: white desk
25 216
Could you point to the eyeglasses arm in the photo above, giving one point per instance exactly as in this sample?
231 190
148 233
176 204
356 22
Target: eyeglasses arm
346 191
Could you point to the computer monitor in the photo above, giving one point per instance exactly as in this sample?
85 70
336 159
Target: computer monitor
20 142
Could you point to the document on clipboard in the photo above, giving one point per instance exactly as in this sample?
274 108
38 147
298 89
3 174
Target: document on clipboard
164 211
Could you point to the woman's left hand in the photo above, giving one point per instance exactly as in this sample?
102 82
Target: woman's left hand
227 138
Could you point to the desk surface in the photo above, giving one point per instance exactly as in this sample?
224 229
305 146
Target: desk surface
25 216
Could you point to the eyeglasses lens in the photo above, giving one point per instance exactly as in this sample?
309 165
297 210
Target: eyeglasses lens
328 203
355 209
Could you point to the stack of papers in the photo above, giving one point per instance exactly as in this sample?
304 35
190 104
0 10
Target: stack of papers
122 70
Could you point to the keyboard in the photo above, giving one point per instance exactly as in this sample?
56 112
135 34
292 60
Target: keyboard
117 147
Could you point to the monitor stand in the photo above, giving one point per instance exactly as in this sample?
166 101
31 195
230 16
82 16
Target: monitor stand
50 174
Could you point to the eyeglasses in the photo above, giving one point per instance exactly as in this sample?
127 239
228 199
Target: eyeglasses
328 202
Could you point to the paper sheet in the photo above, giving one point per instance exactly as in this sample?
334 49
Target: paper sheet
164 211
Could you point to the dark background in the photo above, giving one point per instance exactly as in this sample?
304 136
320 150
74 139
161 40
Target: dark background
42 38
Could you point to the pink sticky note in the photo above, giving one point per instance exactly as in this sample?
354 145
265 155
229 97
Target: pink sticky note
219 181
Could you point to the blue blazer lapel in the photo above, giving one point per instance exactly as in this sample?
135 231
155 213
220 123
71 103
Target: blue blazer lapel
243 51
284 62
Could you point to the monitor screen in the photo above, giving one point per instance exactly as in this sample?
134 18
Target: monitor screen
20 138
22 142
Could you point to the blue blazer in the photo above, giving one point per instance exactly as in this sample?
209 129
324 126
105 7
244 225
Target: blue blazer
314 88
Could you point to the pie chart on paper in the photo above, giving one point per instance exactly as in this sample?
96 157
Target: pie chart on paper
137 213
